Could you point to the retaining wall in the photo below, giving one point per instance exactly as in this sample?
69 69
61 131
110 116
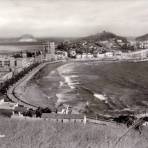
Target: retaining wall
18 98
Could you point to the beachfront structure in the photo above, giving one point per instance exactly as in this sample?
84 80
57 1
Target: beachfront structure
141 54
109 54
143 44
100 56
105 55
7 105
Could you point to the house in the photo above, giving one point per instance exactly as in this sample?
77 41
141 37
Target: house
7 62
109 54
100 56
64 109
7 108
143 44
20 109
7 105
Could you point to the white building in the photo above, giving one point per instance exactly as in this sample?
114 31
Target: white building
78 56
100 56
141 54
143 44
24 62
6 63
109 54
52 48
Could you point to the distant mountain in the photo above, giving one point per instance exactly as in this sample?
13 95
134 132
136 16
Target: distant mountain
23 38
96 37
27 38
31 38
106 40
142 38
104 36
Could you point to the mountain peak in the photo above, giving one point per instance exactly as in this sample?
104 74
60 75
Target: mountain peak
27 38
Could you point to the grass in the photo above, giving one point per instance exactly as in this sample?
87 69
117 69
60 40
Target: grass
47 134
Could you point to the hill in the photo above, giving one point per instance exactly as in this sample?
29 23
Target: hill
142 38
106 40
104 36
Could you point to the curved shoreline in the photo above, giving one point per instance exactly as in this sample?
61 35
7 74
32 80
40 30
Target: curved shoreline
13 95
16 96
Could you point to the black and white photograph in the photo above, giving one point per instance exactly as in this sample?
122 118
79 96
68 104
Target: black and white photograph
73 73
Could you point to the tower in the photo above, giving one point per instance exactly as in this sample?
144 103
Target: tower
52 47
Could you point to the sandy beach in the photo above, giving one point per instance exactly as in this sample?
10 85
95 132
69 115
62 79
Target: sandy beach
110 88
32 92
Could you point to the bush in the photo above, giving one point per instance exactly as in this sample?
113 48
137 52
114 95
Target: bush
125 119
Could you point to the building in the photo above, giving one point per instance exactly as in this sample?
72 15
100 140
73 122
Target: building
23 52
139 55
7 63
100 56
109 54
52 48
5 76
143 44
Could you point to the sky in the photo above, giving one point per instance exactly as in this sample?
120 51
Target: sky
72 18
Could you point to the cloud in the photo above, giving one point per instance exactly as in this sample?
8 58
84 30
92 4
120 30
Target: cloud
72 18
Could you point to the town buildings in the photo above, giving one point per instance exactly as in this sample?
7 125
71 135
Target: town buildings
143 44
16 55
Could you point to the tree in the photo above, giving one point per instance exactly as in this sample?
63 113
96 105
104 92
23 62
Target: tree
38 112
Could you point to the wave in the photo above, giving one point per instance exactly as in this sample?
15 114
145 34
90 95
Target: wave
71 83
100 97
60 98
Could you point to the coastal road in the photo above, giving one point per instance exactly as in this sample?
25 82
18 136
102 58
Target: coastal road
18 98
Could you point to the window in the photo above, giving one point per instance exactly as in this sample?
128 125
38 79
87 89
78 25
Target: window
1 64
15 63
6 63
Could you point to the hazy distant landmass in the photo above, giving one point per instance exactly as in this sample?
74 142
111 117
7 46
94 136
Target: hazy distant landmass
104 36
98 36
95 39
142 38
